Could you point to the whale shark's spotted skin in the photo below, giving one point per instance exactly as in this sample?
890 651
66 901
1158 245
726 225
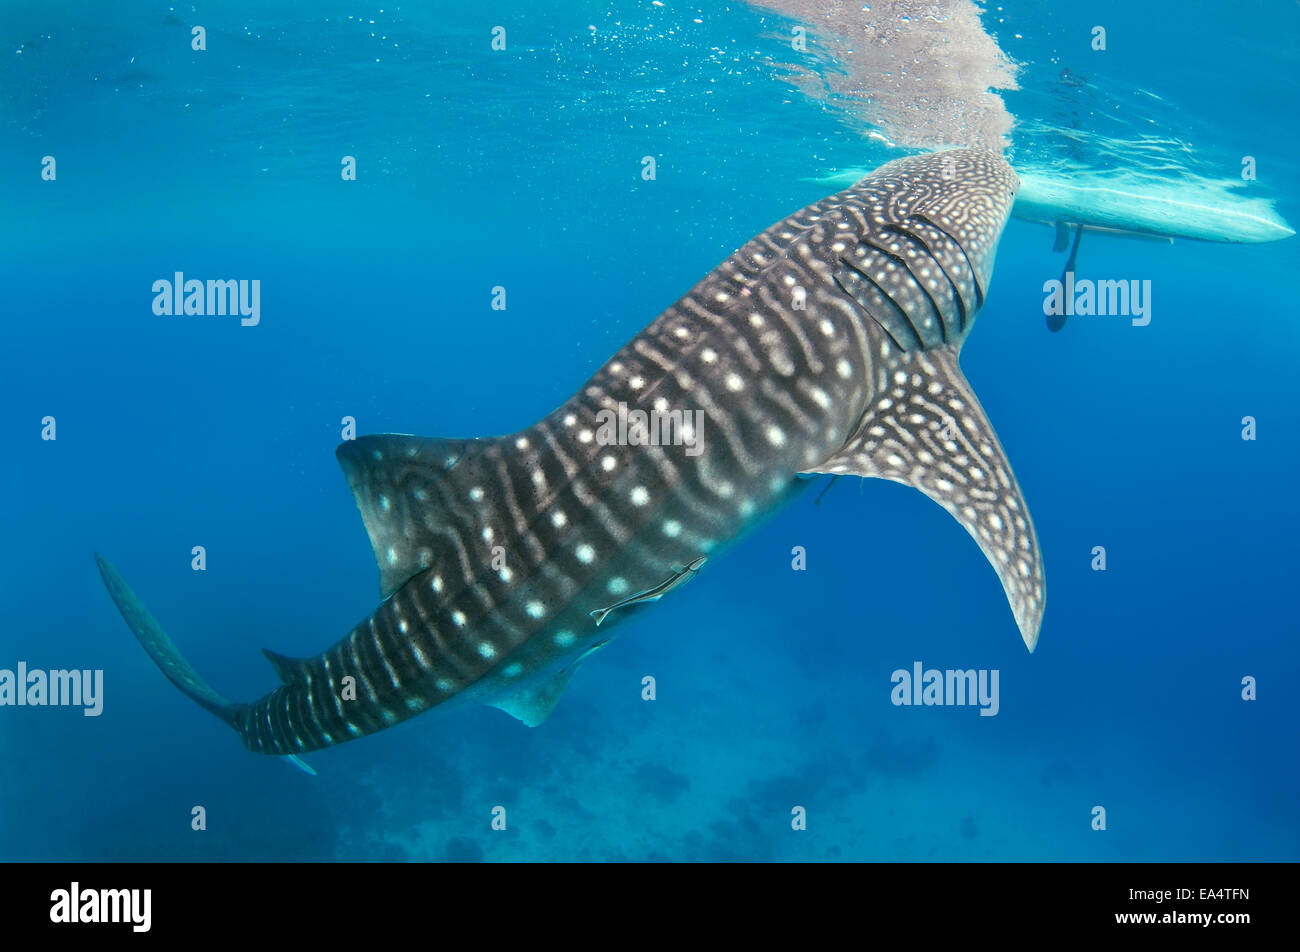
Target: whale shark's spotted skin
827 344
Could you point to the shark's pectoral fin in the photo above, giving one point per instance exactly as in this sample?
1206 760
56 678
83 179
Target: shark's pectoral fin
928 431
533 703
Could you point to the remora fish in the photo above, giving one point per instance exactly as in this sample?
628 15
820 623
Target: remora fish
827 344
653 594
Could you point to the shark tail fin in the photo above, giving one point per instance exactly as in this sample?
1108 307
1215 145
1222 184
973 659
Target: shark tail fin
160 648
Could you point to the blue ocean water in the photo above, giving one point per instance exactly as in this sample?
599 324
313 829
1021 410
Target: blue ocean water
522 168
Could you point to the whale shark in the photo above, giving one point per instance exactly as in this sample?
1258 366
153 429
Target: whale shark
827 344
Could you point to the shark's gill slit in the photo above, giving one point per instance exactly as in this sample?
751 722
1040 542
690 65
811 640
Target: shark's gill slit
928 257
938 245
880 325
974 273
905 266
883 296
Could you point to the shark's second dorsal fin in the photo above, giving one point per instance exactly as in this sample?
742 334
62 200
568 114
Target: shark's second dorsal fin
289 670
928 431
398 481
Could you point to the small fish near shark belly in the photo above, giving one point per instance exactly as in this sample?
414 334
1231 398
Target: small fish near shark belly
826 344
679 577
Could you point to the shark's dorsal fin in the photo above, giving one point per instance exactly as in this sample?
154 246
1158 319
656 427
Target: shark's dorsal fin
289 670
927 430
396 481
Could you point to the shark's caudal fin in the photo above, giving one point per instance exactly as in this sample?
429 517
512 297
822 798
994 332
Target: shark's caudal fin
167 656
160 648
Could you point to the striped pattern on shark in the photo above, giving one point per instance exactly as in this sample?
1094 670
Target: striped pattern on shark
826 344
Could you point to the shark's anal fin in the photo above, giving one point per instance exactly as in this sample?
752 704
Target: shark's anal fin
928 431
